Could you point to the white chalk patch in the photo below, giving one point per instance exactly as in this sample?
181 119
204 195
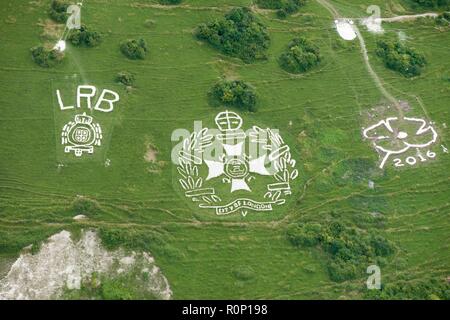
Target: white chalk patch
60 46
61 263
345 29
80 217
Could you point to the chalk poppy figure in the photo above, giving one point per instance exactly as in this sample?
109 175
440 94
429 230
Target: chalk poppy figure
395 136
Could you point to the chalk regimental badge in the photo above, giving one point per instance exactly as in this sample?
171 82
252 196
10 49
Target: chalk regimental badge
241 173
81 135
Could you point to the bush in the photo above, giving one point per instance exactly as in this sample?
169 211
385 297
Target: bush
433 3
170 2
283 7
83 36
349 250
239 34
301 55
58 10
85 206
398 57
134 49
443 18
125 78
46 58
234 94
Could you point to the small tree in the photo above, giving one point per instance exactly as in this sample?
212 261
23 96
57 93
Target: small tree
83 36
235 94
58 10
125 78
134 49
46 58
170 2
301 55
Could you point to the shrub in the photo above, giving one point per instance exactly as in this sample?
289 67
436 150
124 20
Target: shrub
46 58
433 3
283 7
301 55
134 49
83 205
239 34
398 57
170 2
83 36
443 18
235 93
125 78
349 250
58 10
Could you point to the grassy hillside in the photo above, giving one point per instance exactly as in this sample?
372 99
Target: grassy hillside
320 113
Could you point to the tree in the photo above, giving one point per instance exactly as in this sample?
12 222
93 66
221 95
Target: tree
300 56
398 57
239 34
58 10
83 36
46 58
134 49
125 78
170 2
235 94
283 7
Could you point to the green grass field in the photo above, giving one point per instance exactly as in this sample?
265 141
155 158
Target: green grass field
320 114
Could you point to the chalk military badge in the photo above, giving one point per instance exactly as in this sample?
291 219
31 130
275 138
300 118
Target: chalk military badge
235 168
81 135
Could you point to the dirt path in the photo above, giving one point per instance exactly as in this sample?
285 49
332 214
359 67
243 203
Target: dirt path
378 82
410 17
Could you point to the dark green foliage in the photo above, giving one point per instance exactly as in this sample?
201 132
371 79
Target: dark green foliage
433 3
283 7
129 239
399 57
125 78
85 206
235 93
443 18
58 10
134 49
46 58
83 36
349 249
300 56
411 289
170 2
238 34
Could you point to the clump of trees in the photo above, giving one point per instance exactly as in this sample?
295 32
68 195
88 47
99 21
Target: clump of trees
84 36
58 10
170 2
397 56
125 78
46 58
235 93
433 3
283 7
349 250
300 56
134 49
239 34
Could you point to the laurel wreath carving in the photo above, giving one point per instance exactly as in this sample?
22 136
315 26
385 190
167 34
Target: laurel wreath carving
279 154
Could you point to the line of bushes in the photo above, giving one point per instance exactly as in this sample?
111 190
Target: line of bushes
349 249
283 7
